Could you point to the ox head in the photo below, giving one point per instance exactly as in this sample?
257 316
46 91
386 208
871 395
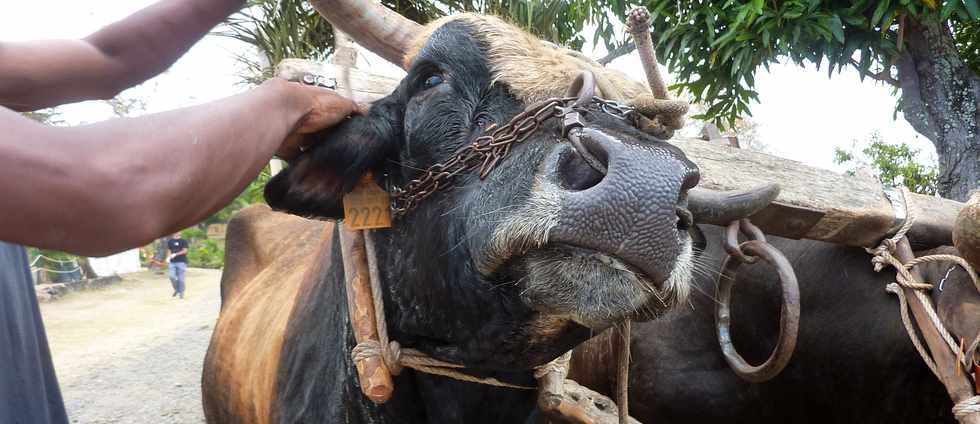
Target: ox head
524 264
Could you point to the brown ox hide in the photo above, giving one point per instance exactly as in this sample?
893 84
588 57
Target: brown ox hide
267 257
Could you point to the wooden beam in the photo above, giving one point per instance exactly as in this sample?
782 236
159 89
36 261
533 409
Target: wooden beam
365 86
814 203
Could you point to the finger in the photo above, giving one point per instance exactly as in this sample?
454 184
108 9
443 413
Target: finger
292 146
326 112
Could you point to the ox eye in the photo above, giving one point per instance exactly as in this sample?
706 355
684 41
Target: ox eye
433 80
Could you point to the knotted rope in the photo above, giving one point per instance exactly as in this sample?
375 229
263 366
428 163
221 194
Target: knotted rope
392 354
884 255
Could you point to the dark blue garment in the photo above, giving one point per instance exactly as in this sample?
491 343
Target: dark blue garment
29 391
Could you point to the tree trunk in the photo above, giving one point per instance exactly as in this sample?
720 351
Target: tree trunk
87 270
939 96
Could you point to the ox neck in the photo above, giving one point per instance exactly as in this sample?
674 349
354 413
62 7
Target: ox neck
318 378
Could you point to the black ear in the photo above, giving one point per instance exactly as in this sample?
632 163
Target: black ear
315 181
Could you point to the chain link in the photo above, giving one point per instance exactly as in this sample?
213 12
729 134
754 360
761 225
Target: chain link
486 151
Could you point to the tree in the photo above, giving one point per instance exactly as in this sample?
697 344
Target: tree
893 164
927 50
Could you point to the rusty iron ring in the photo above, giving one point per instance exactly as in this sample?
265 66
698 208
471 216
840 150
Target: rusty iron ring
730 243
789 313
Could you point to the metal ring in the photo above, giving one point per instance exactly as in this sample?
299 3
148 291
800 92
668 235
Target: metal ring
730 243
789 313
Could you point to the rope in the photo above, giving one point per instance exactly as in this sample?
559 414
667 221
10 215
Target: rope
884 255
910 327
970 405
558 365
623 374
54 271
49 259
394 357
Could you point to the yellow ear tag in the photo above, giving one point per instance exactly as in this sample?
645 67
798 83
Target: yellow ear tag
367 206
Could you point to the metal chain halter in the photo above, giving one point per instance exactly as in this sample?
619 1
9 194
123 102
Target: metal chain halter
486 151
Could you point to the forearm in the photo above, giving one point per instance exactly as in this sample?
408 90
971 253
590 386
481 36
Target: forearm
149 41
40 74
105 187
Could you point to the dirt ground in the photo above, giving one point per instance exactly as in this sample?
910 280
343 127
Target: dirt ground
130 353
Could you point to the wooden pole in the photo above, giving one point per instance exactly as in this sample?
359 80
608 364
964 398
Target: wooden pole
816 203
957 385
374 377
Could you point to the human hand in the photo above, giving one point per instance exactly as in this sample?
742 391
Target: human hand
321 107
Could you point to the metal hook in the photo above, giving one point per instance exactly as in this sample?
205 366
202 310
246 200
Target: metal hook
583 87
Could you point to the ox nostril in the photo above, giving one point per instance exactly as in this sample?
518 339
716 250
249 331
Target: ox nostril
574 173
684 218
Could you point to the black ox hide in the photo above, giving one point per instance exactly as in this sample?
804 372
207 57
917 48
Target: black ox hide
438 296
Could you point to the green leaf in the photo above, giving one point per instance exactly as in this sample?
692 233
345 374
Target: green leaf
972 8
948 9
837 28
879 12
724 38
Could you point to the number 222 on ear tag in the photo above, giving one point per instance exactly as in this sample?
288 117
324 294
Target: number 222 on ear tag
367 206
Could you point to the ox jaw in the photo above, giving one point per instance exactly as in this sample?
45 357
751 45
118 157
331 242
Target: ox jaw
598 290
592 288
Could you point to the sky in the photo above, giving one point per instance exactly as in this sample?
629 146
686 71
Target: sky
802 115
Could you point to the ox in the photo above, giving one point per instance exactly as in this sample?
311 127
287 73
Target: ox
500 275
506 273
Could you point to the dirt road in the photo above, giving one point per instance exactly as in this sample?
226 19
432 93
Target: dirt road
132 354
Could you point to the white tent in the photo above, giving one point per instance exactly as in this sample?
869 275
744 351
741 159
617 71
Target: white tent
120 263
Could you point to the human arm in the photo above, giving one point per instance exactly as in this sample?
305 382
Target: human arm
39 74
104 187
178 253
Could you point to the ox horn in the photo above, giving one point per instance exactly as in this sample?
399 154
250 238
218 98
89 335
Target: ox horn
377 28
723 207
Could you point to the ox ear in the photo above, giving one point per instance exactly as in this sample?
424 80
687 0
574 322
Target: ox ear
315 181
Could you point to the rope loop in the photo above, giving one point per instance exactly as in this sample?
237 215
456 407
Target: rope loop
970 405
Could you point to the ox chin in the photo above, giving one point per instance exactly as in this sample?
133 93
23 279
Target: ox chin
598 290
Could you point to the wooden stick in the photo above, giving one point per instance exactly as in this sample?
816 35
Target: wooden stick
958 386
373 375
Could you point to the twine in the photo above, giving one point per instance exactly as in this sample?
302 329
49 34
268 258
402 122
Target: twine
884 255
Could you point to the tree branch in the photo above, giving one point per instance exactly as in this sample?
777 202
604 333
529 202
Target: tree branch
913 107
620 51
884 75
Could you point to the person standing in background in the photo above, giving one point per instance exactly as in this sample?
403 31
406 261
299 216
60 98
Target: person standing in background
178 263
